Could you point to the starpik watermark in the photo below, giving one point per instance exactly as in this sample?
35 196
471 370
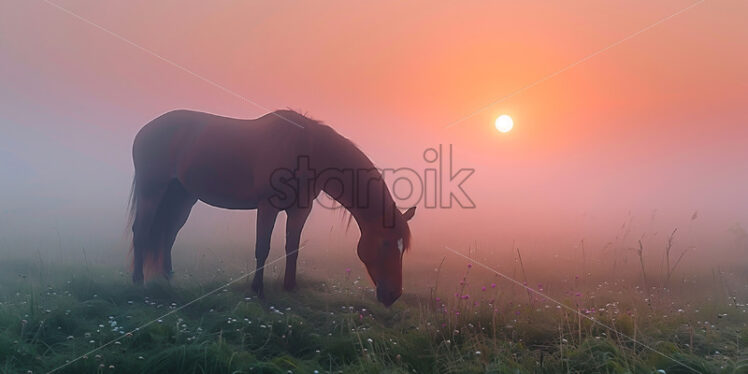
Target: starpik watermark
441 184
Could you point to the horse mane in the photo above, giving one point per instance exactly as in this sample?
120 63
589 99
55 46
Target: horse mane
307 121
329 133
404 230
297 118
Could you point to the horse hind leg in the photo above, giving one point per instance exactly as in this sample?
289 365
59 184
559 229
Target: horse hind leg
173 213
149 197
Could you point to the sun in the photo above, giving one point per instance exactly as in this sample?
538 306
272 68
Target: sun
504 123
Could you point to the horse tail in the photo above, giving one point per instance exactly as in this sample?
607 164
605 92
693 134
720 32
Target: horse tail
150 249
152 260
132 204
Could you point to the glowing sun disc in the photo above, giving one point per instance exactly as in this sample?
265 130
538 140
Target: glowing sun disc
504 123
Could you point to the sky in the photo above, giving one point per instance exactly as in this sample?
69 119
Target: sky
646 132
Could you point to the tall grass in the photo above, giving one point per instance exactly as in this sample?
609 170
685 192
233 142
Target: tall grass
336 325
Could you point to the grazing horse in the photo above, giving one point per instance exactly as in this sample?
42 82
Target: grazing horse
278 162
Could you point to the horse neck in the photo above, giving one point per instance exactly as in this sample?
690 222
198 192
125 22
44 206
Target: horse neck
364 193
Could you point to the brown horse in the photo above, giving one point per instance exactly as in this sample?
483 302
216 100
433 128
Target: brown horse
278 162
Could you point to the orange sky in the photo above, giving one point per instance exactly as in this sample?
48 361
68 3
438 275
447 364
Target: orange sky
657 122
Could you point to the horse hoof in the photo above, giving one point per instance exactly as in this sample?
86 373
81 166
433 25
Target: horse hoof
258 289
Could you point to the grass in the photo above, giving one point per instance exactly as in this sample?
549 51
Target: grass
51 317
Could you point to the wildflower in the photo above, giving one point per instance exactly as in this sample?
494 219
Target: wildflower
483 288
470 265
477 353
493 285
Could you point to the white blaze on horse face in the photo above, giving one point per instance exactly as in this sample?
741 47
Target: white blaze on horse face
400 245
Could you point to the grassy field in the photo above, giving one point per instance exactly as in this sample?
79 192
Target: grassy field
58 315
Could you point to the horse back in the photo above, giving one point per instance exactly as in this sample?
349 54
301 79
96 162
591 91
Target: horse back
225 162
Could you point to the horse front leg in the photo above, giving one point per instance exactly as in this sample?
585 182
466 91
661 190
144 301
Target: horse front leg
295 223
266 215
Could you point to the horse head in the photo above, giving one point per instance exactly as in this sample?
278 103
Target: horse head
381 250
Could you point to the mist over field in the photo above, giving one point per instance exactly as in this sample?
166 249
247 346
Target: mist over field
67 185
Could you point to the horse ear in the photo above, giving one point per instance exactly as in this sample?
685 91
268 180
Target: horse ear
409 213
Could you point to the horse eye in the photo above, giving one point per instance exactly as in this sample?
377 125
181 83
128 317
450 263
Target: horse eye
386 243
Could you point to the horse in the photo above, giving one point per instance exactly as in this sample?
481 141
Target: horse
280 161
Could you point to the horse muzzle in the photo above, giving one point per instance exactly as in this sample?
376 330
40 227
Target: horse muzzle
388 297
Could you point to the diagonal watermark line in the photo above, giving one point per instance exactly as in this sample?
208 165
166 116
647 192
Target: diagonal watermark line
137 329
170 62
574 310
570 66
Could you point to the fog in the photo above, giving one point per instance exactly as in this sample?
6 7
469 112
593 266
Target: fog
627 147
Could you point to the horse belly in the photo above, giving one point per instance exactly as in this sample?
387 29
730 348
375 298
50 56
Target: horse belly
222 180
228 203
221 188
